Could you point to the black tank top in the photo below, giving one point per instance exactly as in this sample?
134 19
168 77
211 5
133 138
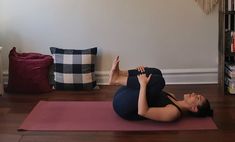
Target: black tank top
161 100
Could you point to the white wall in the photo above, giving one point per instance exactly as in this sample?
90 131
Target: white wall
173 35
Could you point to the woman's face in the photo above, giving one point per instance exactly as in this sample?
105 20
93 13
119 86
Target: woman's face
194 99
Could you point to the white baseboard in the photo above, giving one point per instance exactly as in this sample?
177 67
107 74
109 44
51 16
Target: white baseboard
191 76
177 76
172 76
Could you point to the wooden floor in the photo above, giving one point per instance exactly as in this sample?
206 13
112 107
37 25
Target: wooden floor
15 107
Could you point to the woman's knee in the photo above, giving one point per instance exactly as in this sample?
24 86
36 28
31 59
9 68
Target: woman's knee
156 82
155 71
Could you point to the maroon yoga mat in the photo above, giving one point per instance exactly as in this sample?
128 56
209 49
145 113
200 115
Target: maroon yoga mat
98 116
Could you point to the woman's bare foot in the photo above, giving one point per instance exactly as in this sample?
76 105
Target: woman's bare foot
114 72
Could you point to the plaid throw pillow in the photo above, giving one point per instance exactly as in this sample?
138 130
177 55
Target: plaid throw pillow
74 69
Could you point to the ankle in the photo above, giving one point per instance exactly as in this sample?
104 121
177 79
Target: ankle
121 80
123 73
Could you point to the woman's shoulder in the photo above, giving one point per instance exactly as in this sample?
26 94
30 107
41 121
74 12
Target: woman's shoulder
175 109
169 94
172 113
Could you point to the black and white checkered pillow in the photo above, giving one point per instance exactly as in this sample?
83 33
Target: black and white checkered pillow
74 69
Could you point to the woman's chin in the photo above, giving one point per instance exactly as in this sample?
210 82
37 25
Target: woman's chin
185 96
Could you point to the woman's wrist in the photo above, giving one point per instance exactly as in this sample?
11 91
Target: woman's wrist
143 86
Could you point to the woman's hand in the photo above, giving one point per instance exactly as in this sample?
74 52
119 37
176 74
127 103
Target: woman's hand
141 69
143 79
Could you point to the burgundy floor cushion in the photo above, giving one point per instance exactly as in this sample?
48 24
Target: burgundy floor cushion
29 72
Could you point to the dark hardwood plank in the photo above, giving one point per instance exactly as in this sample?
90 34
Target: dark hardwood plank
10 138
215 136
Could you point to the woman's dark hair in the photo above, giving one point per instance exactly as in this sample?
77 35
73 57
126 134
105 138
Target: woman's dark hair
203 110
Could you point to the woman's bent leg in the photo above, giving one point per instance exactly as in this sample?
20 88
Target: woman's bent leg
155 85
148 71
125 103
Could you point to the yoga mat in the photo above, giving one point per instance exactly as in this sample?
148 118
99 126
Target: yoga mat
98 116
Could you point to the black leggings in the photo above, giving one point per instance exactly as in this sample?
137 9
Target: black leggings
125 101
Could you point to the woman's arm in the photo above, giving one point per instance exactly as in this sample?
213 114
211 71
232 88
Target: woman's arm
142 102
168 113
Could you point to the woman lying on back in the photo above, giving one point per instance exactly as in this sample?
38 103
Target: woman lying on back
141 96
